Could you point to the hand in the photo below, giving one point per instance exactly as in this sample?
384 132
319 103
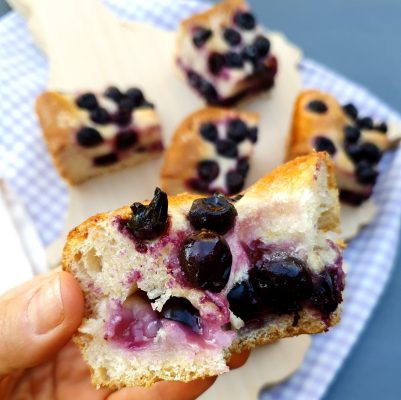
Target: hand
38 361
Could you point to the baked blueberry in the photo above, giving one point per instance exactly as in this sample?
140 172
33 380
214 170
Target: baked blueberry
87 101
235 182
370 152
100 116
262 45
126 104
105 160
199 185
209 132
136 96
216 63
237 130
354 152
317 106
242 300
89 137
113 93
146 104
181 310
194 79
351 134
243 166
253 134
250 53
351 110
148 222
214 213
365 123
366 173
245 20
201 36
122 117
125 139
205 258
227 148
382 127
322 143
325 296
208 91
233 60
208 170
232 37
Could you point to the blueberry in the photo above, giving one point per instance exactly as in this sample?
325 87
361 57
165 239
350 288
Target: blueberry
122 117
262 45
351 110
214 213
87 101
352 134
281 284
233 60
370 152
198 185
100 116
245 20
354 152
201 36
365 173
235 182
113 93
317 106
205 258
208 170
253 134
125 139
216 63
242 300
181 310
365 123
250 53
208 91
324 144
355 199
227 148
237 130
232 37
136 96
126 104
105 160
382 127
243 166
194 79
89 137
325 296
146 104
148 222
209 132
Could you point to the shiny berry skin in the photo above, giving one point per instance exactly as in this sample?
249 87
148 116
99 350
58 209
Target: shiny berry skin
181 310
351 110
227 148
208 91
382 127
208 170
370 152
205 258
216 63
253 134
208 131
250 53
237 130
365 123
87 101
214 213
317 106
281 285
122 117
365 173
201 36
262 45
351 134
232 37
105 160
125 139
324 144
233 60
113 93
235 182
135 95
354 152
326 296
242 300
100 116
148 222
89 137
126 104
245 20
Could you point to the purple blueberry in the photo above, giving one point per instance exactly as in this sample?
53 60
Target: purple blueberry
227 148
126 104
125 139
122 117
351 110
208 91
262 45
237 130
100 116
253 134
181 310
214 213
198 185
87 101
382 127
243 167
242 300
201 36
365 123
208 131
89 137
245 20
208 170
351 134
370 152
194 79
250 53
105 160
233 60
216 63
235 182
232 37
366 173
317 106
113 93
136 96
326 295
205 258
354 152
322 143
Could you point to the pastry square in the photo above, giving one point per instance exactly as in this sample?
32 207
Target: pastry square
210 152
356 144
224 54
89 134
175 285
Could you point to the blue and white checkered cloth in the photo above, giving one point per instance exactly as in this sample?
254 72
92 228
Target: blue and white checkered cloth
25 163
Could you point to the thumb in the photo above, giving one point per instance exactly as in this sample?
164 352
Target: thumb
37 319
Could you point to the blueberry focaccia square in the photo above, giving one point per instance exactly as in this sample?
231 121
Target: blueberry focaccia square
210 152
224 54
174 286
89 134
356 144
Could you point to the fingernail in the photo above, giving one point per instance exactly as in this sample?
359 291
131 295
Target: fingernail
45 310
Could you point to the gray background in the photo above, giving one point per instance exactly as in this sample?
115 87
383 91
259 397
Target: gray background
361 40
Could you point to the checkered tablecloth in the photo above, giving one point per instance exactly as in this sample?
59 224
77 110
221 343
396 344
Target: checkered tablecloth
25 163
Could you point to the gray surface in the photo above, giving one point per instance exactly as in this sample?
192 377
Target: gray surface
359 39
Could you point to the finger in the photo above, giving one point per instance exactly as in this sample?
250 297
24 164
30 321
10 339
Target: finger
165 390
37 319
238 359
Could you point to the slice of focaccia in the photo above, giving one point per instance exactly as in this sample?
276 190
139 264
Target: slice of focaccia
175 285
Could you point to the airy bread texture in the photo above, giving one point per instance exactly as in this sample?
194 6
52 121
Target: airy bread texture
295 207
60 120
